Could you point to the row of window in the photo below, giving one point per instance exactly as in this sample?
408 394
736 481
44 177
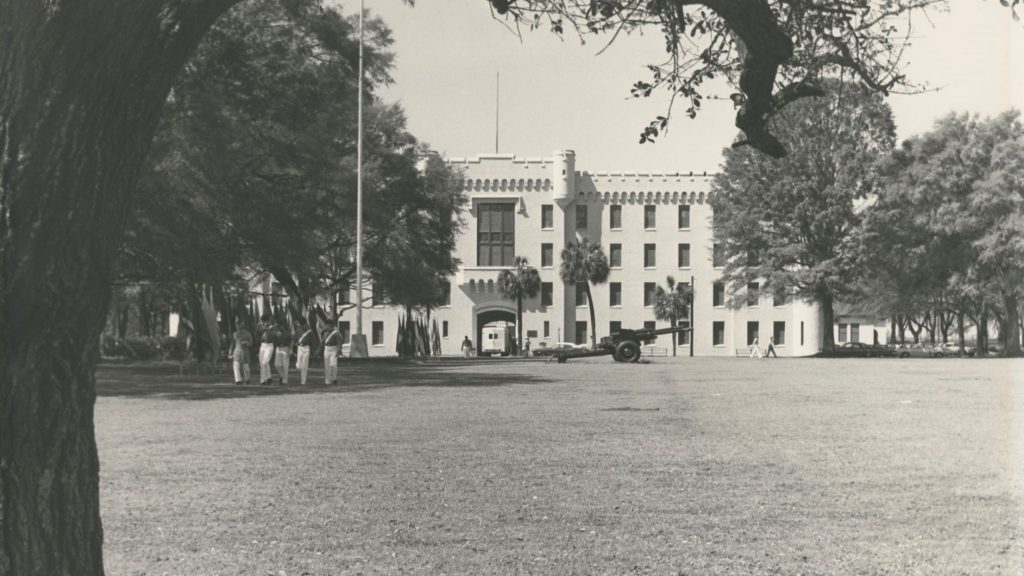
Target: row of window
854 332
547 216
753 333
753 295
377 331
547 255
496 235
718 332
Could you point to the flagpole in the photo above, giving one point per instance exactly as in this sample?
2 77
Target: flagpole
357 348
497 107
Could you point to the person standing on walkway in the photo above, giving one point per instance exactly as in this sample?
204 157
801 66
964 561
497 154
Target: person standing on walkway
526 347
266 332
331 343
241 342
755 349
467 347
771 348
283 354
302 345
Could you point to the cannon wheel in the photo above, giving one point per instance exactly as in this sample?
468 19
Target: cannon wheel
627 351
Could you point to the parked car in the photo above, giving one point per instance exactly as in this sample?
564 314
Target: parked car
917 350
953 349
543 350
861 350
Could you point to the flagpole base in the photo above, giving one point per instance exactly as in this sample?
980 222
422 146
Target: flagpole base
357 347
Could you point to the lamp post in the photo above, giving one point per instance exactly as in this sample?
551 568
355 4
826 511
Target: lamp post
357 348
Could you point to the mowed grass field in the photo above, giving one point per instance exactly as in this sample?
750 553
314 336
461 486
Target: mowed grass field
675 466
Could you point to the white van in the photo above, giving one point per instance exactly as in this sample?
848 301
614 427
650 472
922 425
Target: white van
493 341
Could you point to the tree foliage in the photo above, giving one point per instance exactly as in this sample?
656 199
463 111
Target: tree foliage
523 281
773 52
948 226
791 224
254 165
584 262
672 303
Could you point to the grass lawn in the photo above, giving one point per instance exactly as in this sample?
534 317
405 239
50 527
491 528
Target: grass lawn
678 466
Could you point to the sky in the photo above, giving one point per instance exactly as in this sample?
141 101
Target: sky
558 94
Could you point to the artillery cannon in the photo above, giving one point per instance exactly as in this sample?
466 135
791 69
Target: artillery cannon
623 346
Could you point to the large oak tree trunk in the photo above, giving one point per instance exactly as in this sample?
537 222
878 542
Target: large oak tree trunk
1012 329
81 88
828 341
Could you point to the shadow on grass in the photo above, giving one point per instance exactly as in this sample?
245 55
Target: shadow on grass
168 380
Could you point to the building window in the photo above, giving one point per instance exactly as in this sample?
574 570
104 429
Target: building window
378 333
650 256
615 214
444 328
752 329
842 333
615 255
649 288
780 298
753 293
779 333
614 326
717 255
581 217
684 337
718 294
684 216
581 294
547 329
496 234
547 216
446 293
547 255
718 333
650 216
346 295
547 293
344 331
684 255
650 325
377 295
801 332
854 332
581 332
615 294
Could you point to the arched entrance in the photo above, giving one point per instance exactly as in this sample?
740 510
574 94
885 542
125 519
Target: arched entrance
500 330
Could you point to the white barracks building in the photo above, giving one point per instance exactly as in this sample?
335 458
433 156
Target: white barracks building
650 225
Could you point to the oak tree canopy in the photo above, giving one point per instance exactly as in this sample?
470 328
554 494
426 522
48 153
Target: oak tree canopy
773 52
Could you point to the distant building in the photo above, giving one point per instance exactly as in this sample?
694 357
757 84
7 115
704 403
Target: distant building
650 226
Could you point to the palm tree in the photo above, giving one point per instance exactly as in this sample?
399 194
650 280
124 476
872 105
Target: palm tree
672 304
584 262
522 282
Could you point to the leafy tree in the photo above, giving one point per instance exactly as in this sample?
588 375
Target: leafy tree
672 304
949 217
790 223
774 52
584 262
249 164
521 282
255 158
413 261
